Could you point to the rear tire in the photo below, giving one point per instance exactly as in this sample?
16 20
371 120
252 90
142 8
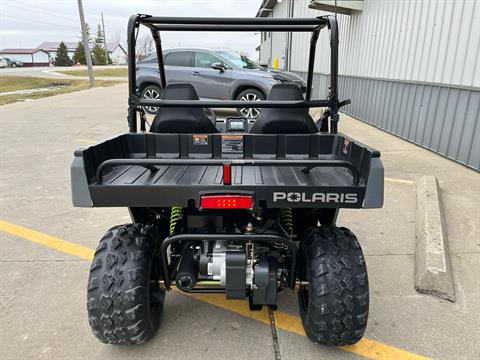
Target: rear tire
124 299
334 306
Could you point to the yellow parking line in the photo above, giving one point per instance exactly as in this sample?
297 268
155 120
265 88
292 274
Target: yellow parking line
86 141
366 347
399 181
47 240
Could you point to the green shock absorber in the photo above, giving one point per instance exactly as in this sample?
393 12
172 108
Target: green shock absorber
174 217
286 218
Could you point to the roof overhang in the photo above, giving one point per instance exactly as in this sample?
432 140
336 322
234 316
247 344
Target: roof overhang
346 7
266 7
21 51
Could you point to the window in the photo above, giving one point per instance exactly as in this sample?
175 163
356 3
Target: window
205 60
239 60
150 59
179 58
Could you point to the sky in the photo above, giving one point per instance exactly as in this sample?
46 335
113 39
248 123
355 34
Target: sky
27 23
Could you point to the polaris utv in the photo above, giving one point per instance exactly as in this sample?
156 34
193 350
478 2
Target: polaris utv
246 208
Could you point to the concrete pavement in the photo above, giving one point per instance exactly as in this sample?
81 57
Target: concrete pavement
43 312
50 72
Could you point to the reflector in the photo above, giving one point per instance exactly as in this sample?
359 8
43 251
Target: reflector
226 202
227 174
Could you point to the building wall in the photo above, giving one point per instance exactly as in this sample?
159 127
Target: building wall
20 57
40 57
276 42
410 67
118 57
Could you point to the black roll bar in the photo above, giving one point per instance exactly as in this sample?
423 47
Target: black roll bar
161 67
285 22
311 62
236 103
157 24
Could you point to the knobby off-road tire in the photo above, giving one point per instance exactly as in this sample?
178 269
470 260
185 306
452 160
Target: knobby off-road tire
124 303
334 307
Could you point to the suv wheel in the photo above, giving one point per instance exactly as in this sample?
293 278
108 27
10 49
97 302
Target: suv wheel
250 95
151 92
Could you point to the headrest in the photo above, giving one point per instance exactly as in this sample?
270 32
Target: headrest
285 92
179 91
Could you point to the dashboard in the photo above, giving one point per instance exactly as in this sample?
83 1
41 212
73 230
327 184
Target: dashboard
234 124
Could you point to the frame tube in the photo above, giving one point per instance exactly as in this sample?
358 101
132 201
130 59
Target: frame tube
311 62
150 163
133 24
236 28
333 96
156 24
161 67
234 103
285 22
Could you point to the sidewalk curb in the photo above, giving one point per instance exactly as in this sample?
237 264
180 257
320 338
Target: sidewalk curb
433 268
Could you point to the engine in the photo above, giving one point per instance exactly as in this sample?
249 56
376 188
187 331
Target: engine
243 270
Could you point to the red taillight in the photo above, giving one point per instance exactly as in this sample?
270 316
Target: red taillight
226 202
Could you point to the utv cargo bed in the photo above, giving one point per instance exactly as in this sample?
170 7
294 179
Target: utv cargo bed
157 170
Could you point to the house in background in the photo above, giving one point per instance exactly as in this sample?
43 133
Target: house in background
29 57
51 48
116 52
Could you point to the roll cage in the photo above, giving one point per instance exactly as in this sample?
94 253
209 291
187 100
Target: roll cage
157 24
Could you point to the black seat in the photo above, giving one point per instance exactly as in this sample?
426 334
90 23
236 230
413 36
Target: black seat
182 119
284 120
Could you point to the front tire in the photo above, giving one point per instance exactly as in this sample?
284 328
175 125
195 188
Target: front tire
334 306
124 299
250 95
151 92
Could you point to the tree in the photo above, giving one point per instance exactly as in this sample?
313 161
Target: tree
98 54
144 47
99 38
62 58
89 35
98 51
79 55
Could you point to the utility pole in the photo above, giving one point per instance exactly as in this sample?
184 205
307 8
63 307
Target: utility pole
105 41
86 48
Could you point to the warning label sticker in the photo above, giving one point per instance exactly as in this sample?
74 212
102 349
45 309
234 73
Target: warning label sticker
200 139
232 144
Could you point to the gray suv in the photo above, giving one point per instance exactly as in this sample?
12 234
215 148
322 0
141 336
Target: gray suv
215 74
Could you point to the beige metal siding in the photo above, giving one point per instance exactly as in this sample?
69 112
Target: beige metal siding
434 41
410 67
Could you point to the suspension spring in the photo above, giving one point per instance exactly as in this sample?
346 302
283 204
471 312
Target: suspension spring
286 218
174 217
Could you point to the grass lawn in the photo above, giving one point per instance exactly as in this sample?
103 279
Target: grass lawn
59 86
98 72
